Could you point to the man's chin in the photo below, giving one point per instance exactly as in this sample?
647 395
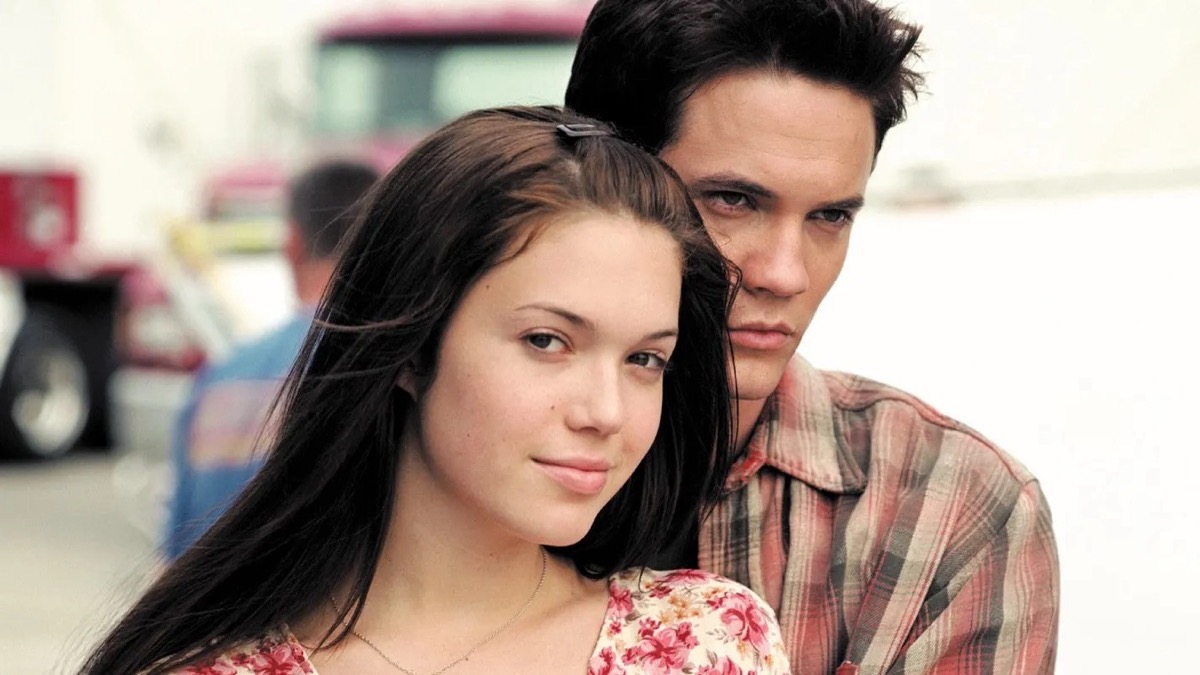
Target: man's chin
757 374
755 392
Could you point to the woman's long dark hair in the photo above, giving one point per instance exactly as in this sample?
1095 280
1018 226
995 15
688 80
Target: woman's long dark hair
317 514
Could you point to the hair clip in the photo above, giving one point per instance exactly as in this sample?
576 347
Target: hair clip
581 130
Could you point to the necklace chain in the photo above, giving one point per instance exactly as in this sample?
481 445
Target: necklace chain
490 636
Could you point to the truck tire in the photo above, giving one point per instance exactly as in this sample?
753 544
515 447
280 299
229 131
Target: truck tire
44 402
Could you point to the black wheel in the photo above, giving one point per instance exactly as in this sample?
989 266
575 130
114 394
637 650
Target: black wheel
44 402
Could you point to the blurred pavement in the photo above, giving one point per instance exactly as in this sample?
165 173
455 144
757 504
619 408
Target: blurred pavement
72 558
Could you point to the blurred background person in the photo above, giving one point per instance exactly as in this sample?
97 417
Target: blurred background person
213 453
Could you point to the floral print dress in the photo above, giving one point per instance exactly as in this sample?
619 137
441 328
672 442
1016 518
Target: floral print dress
682 622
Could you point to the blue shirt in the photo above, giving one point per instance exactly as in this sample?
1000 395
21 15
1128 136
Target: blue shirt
214 451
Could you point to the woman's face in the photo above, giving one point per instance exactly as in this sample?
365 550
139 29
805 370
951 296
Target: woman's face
548 386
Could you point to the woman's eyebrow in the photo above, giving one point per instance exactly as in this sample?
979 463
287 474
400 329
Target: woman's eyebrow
577 320
571 317
661 334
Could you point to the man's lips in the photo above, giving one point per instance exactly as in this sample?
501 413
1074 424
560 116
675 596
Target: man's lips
761 336
582 476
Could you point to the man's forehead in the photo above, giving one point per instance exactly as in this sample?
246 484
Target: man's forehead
776 129
758 103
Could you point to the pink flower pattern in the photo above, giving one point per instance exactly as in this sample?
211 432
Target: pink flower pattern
620 602
683 622
723 666
662 651
276 654
744 617
605 662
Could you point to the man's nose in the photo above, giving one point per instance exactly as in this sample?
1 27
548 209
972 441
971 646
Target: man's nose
776 264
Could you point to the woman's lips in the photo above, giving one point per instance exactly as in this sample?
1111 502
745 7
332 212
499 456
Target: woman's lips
584 481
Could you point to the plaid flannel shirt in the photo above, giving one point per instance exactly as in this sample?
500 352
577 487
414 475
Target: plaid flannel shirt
888 538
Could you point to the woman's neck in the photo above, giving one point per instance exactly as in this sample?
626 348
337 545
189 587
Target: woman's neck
442 556
431 563
448 578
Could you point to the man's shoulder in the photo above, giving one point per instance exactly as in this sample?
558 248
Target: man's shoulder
882 423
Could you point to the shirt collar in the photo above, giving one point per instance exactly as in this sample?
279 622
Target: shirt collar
797 435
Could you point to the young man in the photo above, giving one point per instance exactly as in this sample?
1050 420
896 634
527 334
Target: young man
887 537
214 447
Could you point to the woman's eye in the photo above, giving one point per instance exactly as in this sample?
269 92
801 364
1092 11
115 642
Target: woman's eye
648 360
546 342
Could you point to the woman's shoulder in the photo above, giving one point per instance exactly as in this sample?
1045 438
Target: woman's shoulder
277 653
687 621
658 583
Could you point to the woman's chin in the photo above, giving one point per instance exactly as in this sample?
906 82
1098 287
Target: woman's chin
560 534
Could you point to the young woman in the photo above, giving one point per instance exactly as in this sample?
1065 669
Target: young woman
514 395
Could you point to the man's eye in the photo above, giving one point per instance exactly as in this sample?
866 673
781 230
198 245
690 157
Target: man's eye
835 216
546 342
727 199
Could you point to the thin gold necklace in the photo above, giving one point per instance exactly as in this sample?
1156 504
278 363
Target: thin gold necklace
491 636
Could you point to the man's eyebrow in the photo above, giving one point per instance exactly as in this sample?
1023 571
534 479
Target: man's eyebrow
848 204
576 320
734 183
730 182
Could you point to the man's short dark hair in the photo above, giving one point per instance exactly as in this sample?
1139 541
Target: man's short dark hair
639 60
323 202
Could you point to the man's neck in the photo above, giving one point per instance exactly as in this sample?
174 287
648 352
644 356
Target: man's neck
683 552
747 414
311 277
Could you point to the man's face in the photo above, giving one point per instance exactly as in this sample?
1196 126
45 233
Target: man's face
777 165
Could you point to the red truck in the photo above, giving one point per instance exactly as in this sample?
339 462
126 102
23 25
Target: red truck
385 78
72 327
68 321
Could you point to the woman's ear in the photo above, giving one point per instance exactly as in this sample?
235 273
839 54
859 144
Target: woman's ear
409 380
